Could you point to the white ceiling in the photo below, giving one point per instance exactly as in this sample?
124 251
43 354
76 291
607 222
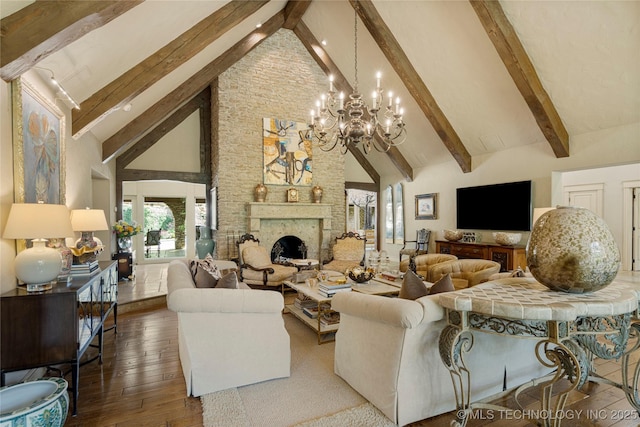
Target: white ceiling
586 54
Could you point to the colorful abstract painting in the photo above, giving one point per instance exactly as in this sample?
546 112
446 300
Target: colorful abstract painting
287 155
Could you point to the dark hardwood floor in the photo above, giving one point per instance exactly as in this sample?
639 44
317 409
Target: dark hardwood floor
140 382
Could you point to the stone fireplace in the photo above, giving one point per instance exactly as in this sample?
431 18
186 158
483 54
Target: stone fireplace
310 222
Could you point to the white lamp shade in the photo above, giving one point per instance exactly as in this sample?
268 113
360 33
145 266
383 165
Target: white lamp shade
538 212
88 220
38 221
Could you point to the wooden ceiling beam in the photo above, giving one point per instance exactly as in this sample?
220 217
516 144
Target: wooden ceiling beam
412 81
44 27
342 84
523 73
293 12
135 81
121 140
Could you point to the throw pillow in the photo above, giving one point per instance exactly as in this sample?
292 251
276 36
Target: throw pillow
444 284
412 286
228 281
203 279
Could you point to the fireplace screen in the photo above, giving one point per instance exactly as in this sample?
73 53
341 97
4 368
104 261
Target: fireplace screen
288 247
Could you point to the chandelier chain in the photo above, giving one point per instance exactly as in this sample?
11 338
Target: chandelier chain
355 49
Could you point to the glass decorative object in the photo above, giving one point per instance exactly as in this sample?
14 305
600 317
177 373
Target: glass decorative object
571 249
124 244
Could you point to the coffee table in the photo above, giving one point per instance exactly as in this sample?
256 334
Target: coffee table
326 333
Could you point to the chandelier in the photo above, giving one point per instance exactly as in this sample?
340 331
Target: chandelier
339 121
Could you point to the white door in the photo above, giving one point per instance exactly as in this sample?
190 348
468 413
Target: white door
585 196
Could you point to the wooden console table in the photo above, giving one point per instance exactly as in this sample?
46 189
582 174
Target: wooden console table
509 257
43 329
571 329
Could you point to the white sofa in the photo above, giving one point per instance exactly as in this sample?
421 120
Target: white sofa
227 337
387 350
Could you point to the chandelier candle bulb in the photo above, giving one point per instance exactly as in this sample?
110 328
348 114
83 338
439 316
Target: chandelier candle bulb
378 76
331 83
390 98
375 99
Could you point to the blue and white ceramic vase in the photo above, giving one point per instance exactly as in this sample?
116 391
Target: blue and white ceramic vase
572 250
205 244
43 402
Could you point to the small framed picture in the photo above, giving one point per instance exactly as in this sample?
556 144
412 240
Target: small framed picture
426 206
292 195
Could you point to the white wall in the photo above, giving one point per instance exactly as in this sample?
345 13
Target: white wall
534 162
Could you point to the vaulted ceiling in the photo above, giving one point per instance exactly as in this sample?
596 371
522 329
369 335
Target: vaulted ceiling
475 77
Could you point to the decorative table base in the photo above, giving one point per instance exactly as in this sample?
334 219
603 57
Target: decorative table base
572 330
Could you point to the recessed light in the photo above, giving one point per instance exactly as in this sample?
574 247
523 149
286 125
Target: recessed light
324 42
259 24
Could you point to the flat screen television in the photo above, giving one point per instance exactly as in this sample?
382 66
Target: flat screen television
502 207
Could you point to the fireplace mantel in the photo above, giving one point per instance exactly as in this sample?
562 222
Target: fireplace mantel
260 212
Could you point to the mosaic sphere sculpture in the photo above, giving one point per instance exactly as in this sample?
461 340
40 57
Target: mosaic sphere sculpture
571 249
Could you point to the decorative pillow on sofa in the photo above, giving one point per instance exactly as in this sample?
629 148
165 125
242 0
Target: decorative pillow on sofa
207 266
204 279
229 281
444 284
412 286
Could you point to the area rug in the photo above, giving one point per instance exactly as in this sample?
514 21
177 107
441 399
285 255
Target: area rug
313 396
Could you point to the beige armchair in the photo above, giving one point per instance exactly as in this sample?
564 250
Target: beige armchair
465 273
348 252
256 267
425 262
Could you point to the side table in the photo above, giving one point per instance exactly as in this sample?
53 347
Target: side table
571 330
125 264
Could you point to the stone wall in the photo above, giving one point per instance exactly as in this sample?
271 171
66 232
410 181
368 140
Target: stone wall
278 79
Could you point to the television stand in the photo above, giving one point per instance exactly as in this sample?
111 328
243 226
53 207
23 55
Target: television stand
509 257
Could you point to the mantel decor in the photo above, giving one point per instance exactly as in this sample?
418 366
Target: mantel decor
426 207
292 195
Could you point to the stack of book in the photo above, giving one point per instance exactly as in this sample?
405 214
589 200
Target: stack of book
329 289
330 318
86 269
312 312
303 301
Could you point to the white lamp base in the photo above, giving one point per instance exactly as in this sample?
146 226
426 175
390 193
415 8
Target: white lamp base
38 266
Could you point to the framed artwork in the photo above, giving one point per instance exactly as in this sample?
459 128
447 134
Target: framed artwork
426 206
398 223
287 153
38 146
388 215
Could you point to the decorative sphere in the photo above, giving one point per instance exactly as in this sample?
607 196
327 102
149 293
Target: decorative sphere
506 239
571 249
452 235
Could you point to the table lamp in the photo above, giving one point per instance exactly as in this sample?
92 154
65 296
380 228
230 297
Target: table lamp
39 265
87 221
